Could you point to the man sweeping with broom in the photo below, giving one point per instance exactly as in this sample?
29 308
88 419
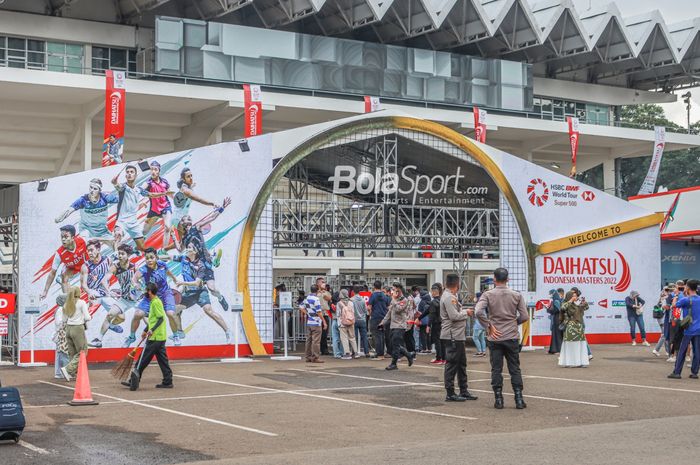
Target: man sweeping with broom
155 345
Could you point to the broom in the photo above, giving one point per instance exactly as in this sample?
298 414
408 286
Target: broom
123 368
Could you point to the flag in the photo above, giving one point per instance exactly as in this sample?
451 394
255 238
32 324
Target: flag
573 141
480 124
659 143
252 101
115 105
371 104
670 213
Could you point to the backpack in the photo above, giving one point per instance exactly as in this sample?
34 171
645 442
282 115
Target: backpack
347 313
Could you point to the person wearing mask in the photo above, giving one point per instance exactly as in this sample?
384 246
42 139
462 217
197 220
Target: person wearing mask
360 307
436 324
378 306
423 320
324 298
311 310
500 310
454 335
690 323
155 335
75 316
345 311
635 316
573 349
400 310
554 310
665 307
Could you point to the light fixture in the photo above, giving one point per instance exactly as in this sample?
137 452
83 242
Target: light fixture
243 144
43 184
356 205
555 166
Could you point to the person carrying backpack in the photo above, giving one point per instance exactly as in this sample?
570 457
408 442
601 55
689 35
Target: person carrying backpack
346 324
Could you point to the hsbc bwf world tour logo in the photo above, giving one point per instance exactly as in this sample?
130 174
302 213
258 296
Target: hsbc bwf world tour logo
537 192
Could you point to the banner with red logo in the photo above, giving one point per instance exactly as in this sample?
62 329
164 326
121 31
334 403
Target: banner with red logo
372 104
7 304
252 99
573 141
480 124
659 143
115 106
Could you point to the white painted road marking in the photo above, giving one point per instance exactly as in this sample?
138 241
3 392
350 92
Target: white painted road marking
175 412
33 448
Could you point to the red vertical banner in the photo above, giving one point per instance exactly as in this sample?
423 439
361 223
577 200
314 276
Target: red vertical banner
573 141
115 106
252 100
371 104
480 124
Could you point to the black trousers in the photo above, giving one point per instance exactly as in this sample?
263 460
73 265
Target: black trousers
435 330
157 349
408 340
456 358
423 335
324 336
557 335
398 347
377 337
509 349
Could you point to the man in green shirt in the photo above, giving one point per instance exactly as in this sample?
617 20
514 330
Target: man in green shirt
155 345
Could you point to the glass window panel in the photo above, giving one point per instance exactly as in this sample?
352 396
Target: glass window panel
55 63
56 48
117 58
36 45
75 65
100 64
100 52
16 54
558 103
35 59
15 43
74 50
570 108
16 64
546 105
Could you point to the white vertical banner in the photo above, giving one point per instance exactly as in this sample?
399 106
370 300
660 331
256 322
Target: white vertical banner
372 104
659 143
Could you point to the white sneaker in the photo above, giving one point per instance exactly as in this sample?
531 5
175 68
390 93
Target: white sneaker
361 354
687 358
590 357
65 374
645 343
671 359
656 352
634 343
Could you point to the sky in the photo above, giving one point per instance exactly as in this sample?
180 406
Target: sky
673 11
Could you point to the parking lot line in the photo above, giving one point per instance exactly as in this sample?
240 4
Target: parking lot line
337 399
555 399
33 448
174 412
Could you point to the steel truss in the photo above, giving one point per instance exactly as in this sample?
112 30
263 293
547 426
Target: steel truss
9 257
344 225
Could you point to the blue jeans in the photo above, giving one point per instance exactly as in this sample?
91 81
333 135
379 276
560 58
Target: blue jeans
416 338
361 334
335 339
61 360
633 318
479 337
680 357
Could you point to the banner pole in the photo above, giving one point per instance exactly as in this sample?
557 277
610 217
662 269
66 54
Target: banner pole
236 309
32 363
285 307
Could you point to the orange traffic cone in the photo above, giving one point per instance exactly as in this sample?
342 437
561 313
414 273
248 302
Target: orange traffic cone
83 393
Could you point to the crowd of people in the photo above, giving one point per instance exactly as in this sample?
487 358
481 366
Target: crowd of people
403 324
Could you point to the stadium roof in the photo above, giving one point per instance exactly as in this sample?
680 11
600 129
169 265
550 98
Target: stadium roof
597 46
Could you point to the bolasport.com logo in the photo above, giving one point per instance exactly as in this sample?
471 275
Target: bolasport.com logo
604 271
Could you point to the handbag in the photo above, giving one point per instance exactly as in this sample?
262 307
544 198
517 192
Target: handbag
658 312
640 310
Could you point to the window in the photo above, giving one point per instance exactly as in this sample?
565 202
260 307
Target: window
65 58
121 59
18 52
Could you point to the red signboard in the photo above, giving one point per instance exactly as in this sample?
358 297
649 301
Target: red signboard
252 98
115 104
7 304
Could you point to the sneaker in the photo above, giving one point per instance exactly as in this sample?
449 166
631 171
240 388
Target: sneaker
95 343
228 336
435 361
391 367
693 376
674 376
355 355
634 343
65 374
116 328
216 260
176 339
687 358
656 352
164 386
181 334
645 343
590 357
346 357
361 354
129 340
671 359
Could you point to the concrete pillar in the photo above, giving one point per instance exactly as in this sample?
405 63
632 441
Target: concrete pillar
87 143
609 176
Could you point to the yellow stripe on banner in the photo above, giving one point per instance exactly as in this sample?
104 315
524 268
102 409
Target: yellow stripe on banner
599 234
